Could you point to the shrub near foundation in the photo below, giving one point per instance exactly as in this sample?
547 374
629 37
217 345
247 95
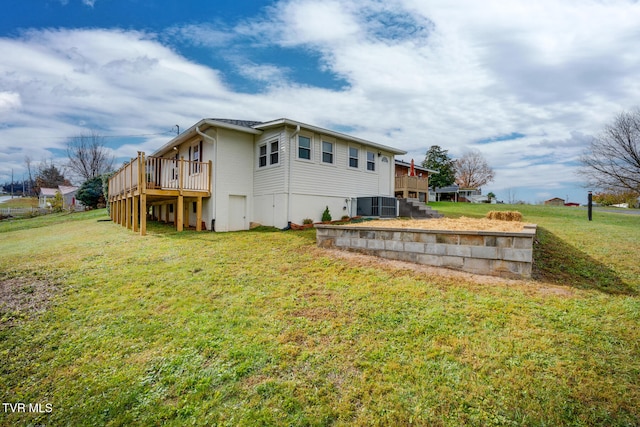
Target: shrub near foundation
504 215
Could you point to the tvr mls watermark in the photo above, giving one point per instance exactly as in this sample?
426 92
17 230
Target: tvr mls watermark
32 408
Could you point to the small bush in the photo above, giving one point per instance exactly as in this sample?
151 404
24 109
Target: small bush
307 221
326 216
505 215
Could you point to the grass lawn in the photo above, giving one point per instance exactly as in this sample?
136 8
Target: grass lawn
263 328
20 202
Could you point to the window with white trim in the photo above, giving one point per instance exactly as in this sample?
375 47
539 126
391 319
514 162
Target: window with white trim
304 147
269 154
327 152
353 157
371 161
195 155
274 152
262 156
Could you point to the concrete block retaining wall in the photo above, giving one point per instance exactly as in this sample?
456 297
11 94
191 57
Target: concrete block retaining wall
504 254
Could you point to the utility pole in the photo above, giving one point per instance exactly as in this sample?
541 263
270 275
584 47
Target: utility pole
12 183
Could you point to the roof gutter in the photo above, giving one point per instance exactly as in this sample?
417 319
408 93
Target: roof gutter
329 132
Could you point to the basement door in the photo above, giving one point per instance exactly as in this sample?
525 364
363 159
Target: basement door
237 213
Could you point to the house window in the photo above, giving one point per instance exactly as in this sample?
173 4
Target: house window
327 152
275 151
353 157
371 161
268 154
175 168
262 157
304 147
195 153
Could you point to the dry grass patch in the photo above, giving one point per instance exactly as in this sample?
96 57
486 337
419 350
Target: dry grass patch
504 215
21 297
453 224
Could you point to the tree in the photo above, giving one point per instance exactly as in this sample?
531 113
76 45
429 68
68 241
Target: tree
49 176
612 161
28 162
439 160
90 192
472 170
614 198
88 157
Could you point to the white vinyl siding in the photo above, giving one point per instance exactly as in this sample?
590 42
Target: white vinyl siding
271 180
341 181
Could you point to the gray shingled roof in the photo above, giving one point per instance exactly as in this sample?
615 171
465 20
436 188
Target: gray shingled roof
243 123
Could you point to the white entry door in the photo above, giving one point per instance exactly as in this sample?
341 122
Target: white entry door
384 177
237 213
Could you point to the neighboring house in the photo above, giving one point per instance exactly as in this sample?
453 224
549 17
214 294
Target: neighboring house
227 174
556 201
47 195
412 183
454 193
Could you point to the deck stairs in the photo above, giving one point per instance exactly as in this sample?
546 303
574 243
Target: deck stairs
413 208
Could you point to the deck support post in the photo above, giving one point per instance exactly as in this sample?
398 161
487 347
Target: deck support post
129 209
143 214
199 214
123 212
136 213
180 213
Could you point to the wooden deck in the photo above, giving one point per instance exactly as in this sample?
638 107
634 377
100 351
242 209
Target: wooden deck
409 186
154 181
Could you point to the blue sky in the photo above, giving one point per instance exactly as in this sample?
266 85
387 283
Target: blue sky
526 83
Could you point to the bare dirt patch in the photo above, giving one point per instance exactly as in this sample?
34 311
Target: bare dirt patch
22 297
453 224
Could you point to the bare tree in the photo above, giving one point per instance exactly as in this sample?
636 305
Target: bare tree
88 157
472 170
612 161
28 161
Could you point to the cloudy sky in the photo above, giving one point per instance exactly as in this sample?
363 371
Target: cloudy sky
526 83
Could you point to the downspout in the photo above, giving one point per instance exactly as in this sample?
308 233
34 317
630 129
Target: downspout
213 142
292 138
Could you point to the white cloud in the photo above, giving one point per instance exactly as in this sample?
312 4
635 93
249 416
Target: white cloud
9 101
417 73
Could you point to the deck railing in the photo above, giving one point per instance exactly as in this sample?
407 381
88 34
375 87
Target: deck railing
159 173
411 183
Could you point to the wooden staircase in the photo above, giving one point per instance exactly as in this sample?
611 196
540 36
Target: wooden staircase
413 208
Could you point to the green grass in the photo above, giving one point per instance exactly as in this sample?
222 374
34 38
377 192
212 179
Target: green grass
262 328
20 202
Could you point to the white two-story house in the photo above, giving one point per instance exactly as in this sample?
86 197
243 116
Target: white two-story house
224 174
